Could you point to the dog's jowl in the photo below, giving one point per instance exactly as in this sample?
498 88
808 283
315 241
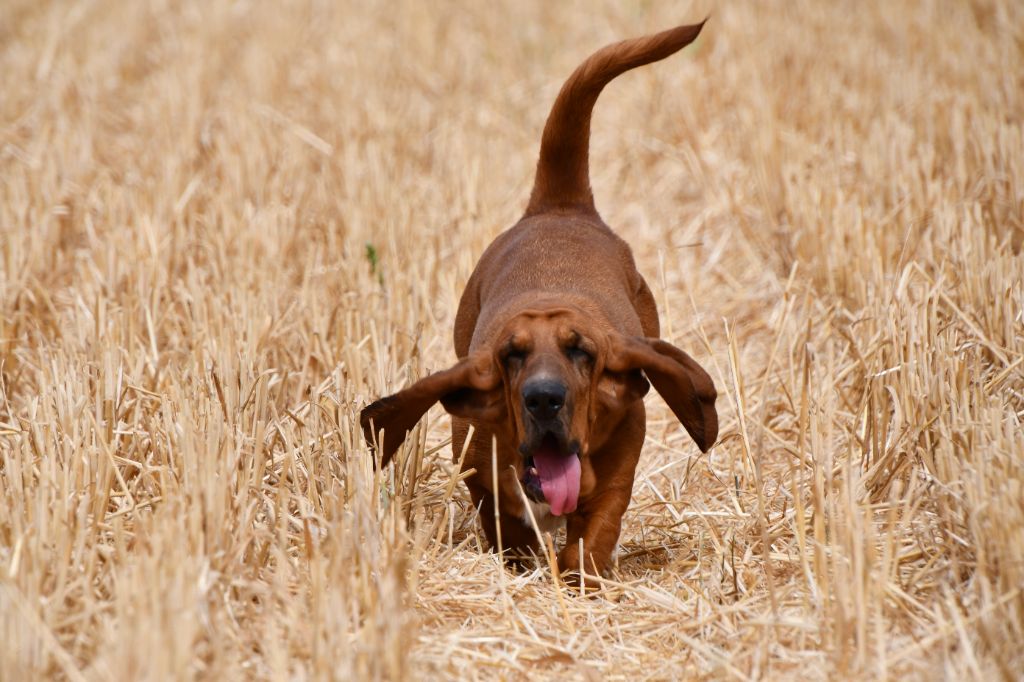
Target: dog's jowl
558 339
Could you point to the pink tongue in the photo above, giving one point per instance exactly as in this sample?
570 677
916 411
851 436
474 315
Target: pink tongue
559 478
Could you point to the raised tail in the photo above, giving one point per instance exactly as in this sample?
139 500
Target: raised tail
563 170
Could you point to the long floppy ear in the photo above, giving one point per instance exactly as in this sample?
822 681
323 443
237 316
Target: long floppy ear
467 389
683 384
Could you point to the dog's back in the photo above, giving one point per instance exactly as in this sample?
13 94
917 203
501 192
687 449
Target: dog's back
561 247
574 259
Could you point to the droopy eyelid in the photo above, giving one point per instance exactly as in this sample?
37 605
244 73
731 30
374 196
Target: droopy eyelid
578 342
581 349
513 352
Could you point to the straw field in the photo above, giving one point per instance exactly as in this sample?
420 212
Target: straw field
227 226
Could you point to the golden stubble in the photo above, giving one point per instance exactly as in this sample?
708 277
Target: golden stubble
226 226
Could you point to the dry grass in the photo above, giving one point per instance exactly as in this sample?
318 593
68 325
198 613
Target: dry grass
826 198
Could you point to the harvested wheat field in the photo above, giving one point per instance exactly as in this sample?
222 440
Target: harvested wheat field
225 227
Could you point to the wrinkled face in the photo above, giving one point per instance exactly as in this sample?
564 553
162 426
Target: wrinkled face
549 363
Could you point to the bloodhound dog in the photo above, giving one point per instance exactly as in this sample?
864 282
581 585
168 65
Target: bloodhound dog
557 336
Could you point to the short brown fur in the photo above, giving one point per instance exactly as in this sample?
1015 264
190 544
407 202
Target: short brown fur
558 297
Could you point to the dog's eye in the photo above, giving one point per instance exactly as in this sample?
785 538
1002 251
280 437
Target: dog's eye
514 355
577 354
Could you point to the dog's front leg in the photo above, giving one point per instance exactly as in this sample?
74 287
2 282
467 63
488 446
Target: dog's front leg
598 519
517 539
598 524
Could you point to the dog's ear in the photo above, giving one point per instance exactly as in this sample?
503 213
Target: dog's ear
471 388
683 384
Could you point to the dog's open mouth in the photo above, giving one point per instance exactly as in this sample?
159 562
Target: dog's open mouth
553 475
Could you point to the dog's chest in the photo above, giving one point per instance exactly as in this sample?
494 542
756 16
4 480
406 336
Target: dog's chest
546 521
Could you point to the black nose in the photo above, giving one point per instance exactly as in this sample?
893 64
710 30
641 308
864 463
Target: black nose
544 398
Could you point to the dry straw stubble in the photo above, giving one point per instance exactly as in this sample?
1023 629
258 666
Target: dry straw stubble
827 200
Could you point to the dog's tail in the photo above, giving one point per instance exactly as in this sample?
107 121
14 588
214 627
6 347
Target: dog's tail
563 171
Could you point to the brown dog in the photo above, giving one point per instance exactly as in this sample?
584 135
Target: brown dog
556 331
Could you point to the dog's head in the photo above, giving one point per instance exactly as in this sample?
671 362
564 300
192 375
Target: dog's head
555 385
